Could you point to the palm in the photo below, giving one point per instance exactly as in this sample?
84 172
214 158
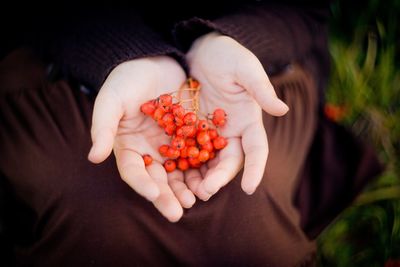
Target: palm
119 124
232 78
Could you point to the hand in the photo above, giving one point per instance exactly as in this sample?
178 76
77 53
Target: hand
119 125
232 78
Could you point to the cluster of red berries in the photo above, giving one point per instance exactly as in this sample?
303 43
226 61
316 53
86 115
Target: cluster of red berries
193 140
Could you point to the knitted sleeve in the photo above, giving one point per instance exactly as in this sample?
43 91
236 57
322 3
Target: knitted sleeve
276 33
92 46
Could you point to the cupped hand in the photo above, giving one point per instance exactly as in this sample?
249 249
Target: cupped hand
118 125
233 79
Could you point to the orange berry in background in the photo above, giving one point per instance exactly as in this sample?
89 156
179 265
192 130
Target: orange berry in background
183 164
204 155
220 142
169 165
147 160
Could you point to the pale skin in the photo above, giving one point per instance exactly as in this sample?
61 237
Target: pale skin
232 78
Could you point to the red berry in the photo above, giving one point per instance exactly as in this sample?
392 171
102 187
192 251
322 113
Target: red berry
163 150
168 118
190 142
202 138
158 114
165 100
184 153
173 153
178 111
183 164
202 125
190 118
148 108
169 165
178 143
147 160
189 130
193 152
178 121
212 154
213 134
220 142
219 117
169 129
204 155
208 146
194 162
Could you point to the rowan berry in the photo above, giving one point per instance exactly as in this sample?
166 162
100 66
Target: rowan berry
184 153
183 164
168 118
212 133
173 153
194 162
178 111
190 142
220 142
147 160
190 118
169 165
202 138
178 143
189 130
204 155
219 117
165 100
163 150
158 114
148 108
170 129
193 152
208 146
202 125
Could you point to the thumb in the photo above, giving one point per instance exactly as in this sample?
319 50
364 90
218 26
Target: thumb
107 113
254 79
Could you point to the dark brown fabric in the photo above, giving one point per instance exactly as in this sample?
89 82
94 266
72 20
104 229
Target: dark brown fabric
80 214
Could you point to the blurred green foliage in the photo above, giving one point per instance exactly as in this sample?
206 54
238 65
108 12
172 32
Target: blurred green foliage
365 83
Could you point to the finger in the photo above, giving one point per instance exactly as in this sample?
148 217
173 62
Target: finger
230 163
107 113
180 189
193 179
166 203
255 147
255 80
132 170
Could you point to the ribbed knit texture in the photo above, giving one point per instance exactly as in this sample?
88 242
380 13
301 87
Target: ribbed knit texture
90 51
